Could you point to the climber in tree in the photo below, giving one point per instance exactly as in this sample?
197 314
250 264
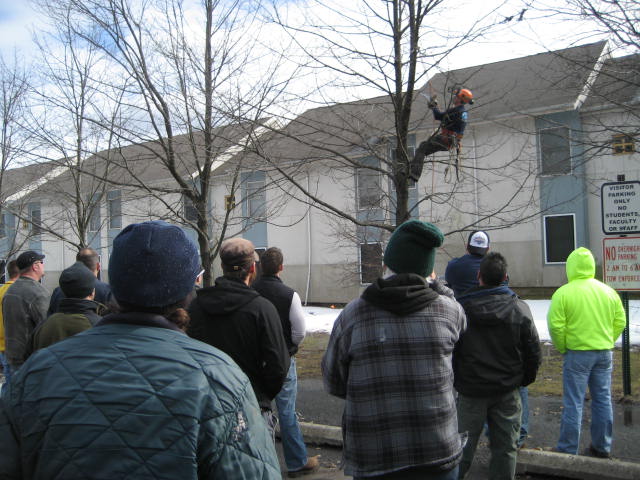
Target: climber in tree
452 124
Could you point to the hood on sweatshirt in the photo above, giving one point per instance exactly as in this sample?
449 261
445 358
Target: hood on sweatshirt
401 294
489 305
580 264
226 296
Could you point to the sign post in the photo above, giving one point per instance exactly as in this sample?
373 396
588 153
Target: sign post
621 255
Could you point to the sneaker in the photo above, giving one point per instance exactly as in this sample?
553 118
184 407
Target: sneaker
313 463
592 452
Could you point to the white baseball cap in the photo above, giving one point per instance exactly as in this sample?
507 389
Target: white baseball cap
478 242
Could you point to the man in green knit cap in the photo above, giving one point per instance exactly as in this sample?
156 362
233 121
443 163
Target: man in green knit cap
389 357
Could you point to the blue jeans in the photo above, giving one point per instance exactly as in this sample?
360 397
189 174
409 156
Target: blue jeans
524 420
6 369
295 451
582 368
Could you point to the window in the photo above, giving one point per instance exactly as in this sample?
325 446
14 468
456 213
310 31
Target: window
256 200
555 151
411 152
94 215
623 144
559 237
369 188
190 212
229 202
114 207
370 262
35 218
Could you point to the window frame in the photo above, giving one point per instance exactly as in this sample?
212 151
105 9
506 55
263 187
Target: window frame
545 241
114 197
620 142
95 216
541 156
376 176
35 224
362 266
255 191
189 211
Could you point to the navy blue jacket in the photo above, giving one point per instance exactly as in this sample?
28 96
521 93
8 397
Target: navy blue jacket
454 118
462 273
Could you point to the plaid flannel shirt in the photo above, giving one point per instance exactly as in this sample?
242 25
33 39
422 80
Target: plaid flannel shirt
396 375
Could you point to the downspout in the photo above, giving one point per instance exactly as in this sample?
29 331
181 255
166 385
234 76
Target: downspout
306 294
475 179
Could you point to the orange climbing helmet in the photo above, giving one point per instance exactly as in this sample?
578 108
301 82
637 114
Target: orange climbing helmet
464 94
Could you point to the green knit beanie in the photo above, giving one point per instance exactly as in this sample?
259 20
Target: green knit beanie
412 248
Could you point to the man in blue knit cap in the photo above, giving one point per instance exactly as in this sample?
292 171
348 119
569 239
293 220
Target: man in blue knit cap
134 396
389 357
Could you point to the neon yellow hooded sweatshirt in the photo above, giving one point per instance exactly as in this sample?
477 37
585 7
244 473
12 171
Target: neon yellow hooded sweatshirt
585 314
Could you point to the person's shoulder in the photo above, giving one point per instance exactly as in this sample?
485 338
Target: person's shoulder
354 310
454 261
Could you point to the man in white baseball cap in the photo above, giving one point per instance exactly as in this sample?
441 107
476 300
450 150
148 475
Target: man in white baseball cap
462 273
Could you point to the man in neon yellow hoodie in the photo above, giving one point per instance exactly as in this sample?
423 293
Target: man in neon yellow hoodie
585 318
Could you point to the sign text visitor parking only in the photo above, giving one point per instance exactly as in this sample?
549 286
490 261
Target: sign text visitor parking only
620 208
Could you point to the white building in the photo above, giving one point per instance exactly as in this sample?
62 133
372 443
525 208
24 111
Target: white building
546 131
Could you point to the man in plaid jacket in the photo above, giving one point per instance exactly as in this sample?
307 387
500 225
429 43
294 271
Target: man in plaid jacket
389 357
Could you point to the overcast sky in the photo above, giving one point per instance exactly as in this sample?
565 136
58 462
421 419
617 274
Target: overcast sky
533 35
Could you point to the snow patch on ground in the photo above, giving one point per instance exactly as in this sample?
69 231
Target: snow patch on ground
321 319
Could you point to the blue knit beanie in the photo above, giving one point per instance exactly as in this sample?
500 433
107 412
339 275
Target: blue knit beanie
412 248
153 264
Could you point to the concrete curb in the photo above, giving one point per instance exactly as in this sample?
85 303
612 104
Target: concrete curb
321 434
575 466
529 460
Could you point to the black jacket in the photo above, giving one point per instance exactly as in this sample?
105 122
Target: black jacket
273 289
234 318
103 297
500 350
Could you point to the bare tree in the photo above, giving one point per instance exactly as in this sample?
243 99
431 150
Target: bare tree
70 91
15 148
388 48
184 81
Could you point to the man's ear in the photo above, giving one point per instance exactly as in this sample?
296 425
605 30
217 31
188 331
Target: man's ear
252 269
280 268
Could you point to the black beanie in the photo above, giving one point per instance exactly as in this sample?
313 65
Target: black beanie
412 248
153 264
77 281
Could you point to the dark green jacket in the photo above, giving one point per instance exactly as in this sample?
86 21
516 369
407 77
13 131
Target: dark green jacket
132 398
74 315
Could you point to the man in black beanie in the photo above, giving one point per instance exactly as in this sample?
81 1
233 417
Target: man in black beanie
76 312
389 357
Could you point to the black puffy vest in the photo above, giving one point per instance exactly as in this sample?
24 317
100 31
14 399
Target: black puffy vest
272 288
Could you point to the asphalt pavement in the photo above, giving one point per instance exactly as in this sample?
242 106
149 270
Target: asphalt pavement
321 413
